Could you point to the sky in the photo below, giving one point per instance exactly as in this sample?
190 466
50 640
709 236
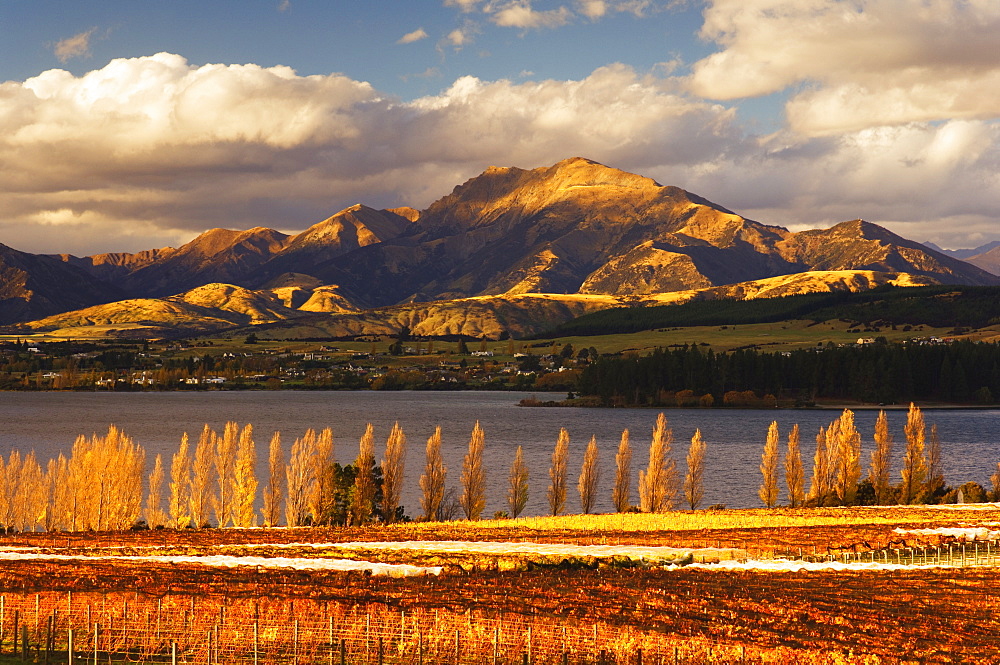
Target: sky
129 124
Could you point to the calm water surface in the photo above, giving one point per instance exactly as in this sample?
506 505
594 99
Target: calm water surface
48 423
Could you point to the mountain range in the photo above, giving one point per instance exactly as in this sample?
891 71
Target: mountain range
511 249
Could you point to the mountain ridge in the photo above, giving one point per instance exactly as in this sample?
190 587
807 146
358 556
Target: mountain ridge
575 227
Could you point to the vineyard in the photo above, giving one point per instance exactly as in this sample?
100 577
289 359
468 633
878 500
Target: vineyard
886 585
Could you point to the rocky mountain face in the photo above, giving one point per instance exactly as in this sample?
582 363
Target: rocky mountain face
988 260
577 227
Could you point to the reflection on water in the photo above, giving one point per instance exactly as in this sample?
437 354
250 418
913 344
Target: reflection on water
49 422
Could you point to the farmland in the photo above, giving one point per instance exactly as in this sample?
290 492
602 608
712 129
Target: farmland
832 585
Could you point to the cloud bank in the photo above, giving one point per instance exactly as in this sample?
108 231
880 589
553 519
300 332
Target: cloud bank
149 151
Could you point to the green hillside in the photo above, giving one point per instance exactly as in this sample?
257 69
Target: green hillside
936 306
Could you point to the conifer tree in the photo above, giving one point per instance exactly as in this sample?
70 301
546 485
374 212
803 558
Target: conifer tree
517 490
392 472
433 481
300 476
658 483
881 460
557 473
201 477
275 488
914 470
225 467
590 476
768 491
180 486
363 497
694 481
473 499
621 497
154 496
794 472
245 479
848 458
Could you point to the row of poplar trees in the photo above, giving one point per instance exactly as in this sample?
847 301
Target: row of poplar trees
837 464
212 482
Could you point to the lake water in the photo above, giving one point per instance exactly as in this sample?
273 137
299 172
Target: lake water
48 423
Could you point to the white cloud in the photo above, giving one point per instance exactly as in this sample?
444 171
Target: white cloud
77 46
414 36
865 62
284 5
520 14
148 151
464 5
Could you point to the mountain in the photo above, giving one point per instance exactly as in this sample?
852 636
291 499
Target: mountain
964 254
988 260
33 286
576 228
218 255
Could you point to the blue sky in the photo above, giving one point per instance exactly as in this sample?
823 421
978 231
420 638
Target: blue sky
130 124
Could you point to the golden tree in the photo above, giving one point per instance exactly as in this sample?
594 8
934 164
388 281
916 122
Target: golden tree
179 504
590 477
658 483
275 488
848 458
557 473
819 487
433 480
694 481
621 496
392 472
154 496
300 476
794 472
225 468
245 480
517 486
914 470
768 491
201 477
320 489
473 499
363 497
878 473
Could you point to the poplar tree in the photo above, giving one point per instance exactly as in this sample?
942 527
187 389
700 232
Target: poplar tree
245 480
621 496
794 473
433 480
914 470
179 507
201 478
517 489
694 481
362 503
935 477
881 460
225 467
154 496
848 458
275 487
994 479
392 472
300 476
818 488
473 499
319 489
658 483
557 473
62 494
768 491
590 476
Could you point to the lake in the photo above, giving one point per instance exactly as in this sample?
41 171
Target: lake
48 423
